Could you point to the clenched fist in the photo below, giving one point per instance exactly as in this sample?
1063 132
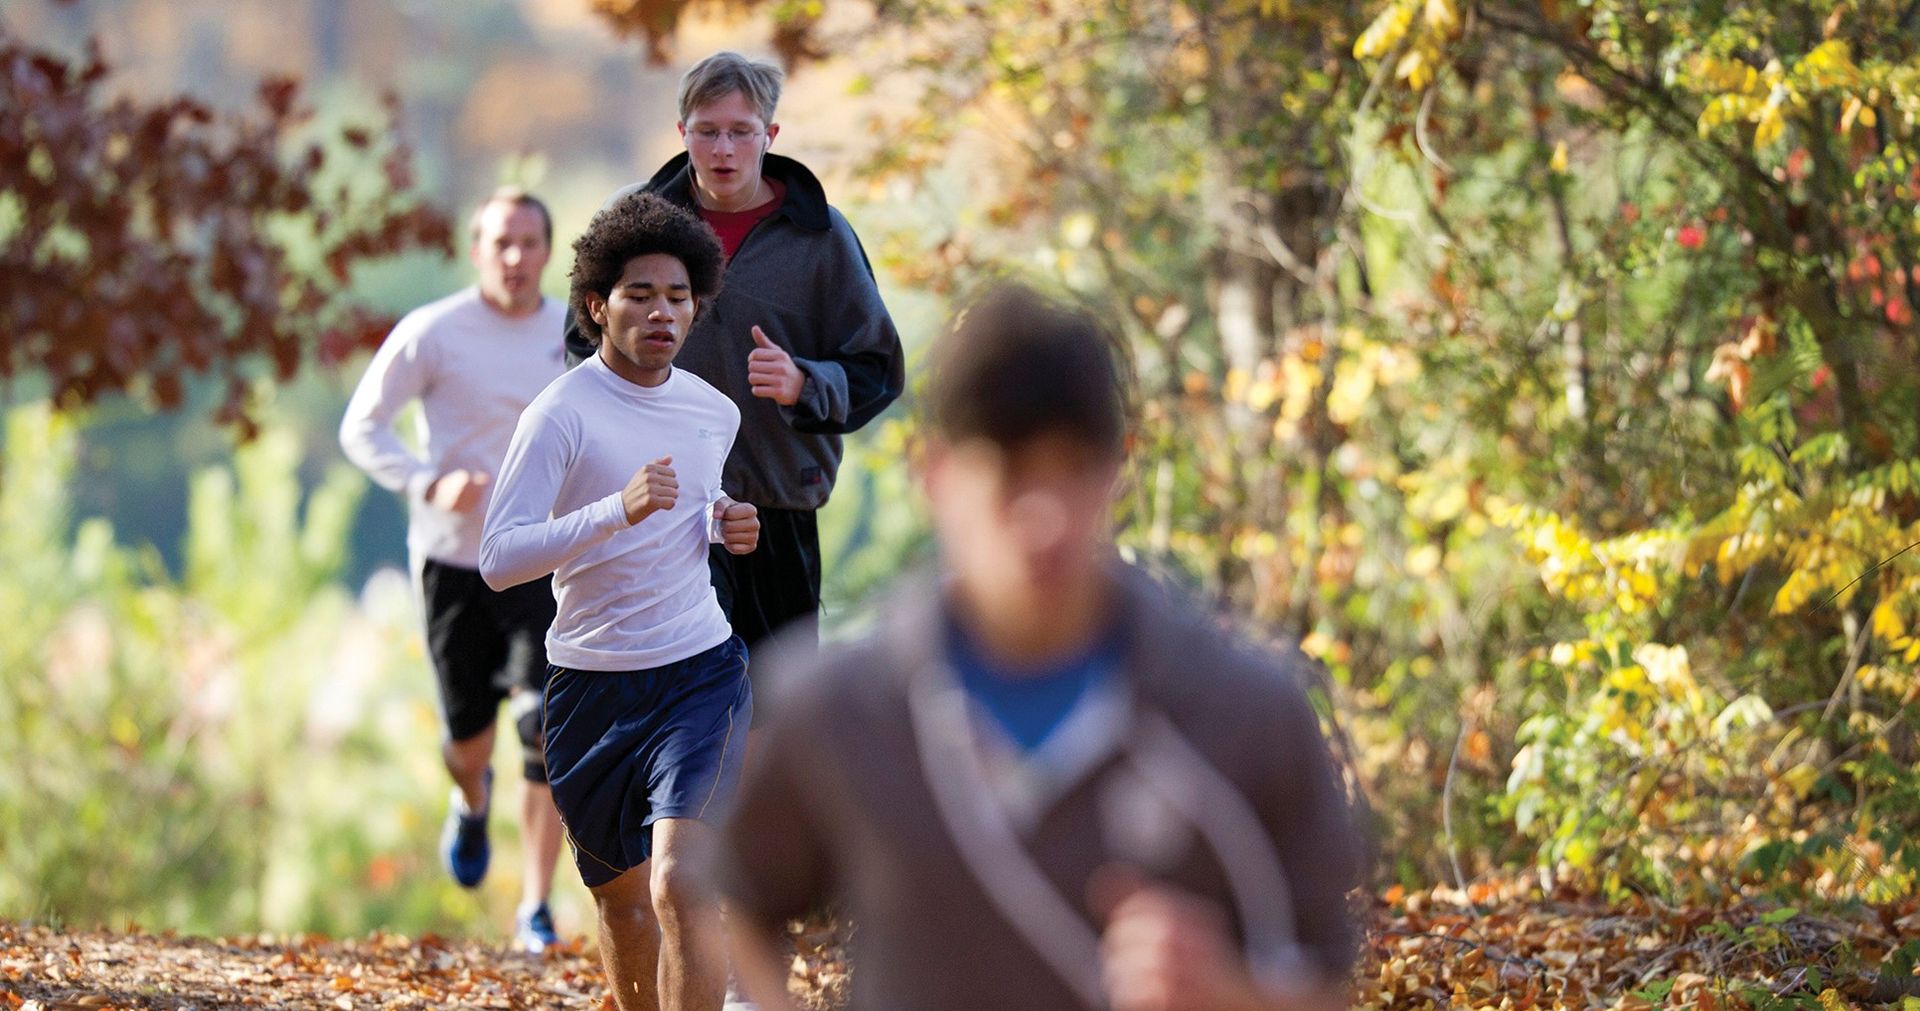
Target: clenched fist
739 525
651 489
771 372
1167 950
457 491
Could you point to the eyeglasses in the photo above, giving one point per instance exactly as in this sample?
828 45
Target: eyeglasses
710 136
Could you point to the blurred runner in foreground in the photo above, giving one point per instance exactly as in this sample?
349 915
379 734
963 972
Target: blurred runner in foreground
1045 783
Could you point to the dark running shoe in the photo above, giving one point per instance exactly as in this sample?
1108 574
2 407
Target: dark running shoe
463 840
533 930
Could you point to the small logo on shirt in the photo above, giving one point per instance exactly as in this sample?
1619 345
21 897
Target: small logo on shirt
706 433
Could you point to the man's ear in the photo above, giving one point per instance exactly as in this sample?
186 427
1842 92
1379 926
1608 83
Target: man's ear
597 308
773 130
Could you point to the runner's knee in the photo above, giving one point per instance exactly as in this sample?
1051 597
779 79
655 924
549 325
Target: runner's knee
679 889
527 721
624 899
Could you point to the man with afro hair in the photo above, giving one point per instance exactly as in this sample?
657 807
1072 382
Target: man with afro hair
647 699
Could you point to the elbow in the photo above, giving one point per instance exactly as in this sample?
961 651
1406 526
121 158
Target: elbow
350 437
492 571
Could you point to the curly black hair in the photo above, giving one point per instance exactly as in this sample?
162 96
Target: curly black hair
637 224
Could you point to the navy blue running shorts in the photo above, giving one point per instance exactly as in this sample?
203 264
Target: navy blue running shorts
628 748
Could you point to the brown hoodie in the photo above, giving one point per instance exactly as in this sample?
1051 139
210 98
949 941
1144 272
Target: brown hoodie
964 863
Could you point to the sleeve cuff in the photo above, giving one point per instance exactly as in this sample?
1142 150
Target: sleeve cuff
609 513
418 482
823 395
1286 972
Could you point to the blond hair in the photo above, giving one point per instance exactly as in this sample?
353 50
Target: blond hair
726 72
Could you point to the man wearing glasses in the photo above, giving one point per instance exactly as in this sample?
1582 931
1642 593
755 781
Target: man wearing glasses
798 336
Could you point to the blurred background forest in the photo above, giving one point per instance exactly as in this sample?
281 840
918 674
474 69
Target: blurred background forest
1546 369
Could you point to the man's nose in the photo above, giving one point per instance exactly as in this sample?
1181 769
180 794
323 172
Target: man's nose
1040 518
511 257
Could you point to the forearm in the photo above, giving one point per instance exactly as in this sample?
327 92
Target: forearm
397 376
371 445
518 548
840 395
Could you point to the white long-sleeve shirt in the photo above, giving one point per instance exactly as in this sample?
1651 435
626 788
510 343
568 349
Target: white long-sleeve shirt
629 597
473 369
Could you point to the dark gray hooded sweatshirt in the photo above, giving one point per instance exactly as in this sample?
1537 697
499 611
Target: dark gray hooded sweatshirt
803 278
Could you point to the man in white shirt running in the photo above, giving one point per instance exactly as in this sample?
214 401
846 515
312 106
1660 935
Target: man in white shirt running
473 361
647 699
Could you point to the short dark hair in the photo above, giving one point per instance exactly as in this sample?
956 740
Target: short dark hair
510 195
1015 364
636 225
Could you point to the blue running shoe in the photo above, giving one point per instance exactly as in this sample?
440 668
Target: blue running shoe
463 841
533 930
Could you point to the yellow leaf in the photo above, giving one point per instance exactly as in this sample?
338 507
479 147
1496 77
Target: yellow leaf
1415 70
1801 778
123 731
1769 127
1886 621
1423 560
1386 31
1443 17
1558 163
1850 113
1830 63
1077 230
1726 109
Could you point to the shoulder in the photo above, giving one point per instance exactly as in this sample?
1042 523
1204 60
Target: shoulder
563 400
841 230
848 255
429 320
837 221
1224 667
701 392
839 683
694 387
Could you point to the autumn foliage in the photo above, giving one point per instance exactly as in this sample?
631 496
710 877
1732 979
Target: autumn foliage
143 241
1547 369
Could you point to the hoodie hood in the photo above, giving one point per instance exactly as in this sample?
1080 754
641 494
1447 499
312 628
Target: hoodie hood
805 205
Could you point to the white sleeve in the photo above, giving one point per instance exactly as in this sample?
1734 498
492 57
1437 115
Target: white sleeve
522 540
715 494
398 374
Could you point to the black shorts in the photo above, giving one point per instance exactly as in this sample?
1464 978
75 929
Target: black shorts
484 645
628 748
774 588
